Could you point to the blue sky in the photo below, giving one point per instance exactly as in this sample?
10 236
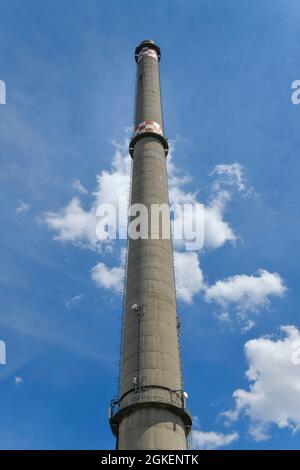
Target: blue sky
226 75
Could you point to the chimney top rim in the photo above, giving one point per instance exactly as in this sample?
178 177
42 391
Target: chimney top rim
147 43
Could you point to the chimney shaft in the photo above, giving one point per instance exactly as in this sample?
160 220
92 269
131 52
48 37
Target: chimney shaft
150 412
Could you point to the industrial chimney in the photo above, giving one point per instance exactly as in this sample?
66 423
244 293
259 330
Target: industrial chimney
150 411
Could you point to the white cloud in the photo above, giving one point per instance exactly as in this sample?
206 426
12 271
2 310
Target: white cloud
79 187
216 231
74 224
274 384
229 174
22 207
189 277
73 301
77 225
228 178
115 184
18 380
246 294
108 278
212 440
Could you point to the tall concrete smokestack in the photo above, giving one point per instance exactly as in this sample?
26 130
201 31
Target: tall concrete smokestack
150 411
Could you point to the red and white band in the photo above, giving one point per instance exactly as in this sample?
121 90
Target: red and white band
147 51
148 126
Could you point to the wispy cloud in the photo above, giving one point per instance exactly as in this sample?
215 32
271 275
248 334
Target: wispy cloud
212 440
18 380
79 187
229 175
22 207
73 301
